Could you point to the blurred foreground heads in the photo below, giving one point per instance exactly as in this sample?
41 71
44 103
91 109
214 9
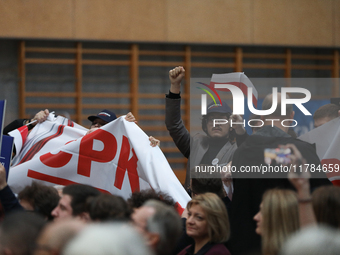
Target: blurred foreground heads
56 235
318 240
108 239
19 231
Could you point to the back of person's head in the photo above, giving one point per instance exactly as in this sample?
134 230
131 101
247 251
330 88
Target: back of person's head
316 240
56 235
79 194
216 215
42 198
166 223
107 207
280 216
204 185
108 239
326 205
255 122
268 102
19 231
330 111
137 199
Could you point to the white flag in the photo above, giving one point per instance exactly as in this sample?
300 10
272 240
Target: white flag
327 140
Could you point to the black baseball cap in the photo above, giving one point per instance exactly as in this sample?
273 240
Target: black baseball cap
224 108
105 115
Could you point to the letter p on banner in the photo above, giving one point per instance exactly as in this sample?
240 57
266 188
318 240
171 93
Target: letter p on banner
87 154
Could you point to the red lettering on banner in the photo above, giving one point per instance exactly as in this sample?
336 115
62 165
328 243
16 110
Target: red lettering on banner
56 160
129 165
56 180
87 154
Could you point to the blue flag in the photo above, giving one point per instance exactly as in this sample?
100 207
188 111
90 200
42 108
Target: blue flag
2 116
6 152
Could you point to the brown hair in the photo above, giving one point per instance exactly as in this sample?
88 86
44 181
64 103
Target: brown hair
217 216
326 205
328 110
280 216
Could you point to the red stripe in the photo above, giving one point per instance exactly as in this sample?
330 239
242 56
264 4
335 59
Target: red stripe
240 85
56 180
37 147
70 123
336 183
179 208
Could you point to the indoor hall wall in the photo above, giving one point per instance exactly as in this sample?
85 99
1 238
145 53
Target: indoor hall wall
247 22
9 78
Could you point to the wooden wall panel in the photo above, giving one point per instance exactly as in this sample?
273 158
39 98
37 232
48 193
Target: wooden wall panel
213 21
247 22
336 22
302 22
36 19
128 20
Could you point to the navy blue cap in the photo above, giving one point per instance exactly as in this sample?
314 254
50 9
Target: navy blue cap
224 108
105 115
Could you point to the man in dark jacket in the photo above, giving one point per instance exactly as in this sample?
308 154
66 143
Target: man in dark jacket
216 146
249 186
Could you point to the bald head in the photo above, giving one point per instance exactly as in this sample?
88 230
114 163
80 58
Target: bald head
56 235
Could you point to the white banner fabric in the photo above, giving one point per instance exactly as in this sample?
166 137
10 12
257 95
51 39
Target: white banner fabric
116 158
327 140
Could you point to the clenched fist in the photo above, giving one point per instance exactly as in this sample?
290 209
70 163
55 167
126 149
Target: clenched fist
176 76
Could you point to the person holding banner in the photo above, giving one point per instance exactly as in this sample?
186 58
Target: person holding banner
16 128
40 117
97 121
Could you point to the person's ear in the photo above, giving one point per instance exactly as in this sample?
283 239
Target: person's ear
338 113
153 240
292 115
85 217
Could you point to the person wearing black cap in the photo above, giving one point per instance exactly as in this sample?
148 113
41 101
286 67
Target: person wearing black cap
106 116
102 118
217 146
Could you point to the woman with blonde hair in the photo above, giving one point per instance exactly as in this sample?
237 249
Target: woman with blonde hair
208 224
277 219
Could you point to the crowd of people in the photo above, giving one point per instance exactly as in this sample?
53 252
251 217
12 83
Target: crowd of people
233 214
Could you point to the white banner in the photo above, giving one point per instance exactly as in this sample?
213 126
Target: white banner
116 158
327 140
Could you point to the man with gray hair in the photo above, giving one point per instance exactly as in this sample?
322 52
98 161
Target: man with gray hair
160 225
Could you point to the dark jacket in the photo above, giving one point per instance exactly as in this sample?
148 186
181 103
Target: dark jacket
250 187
